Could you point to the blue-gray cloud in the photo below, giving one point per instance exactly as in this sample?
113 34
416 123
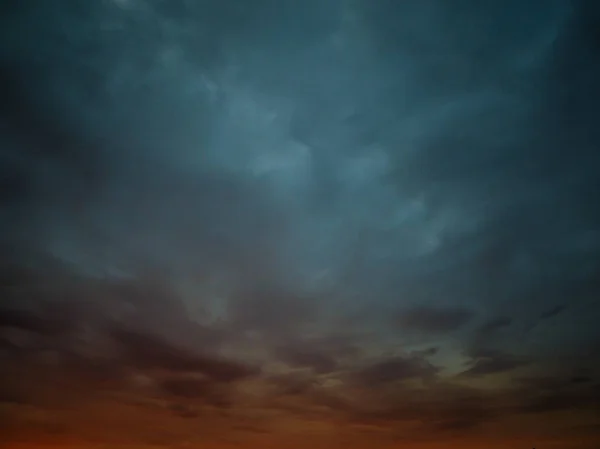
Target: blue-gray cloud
397 176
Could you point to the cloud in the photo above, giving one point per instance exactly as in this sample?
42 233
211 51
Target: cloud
552 383
272 310
293 383
32 321
470 411
433 320
396 369
147 351
116 338
550 313
205 390
487 362
318 360
254 218
332 349
561 401
444 409
184 411
495 324
426 352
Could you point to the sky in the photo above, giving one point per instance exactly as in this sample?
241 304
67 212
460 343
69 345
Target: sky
288 224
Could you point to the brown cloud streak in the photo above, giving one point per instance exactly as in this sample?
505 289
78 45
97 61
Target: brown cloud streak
77 378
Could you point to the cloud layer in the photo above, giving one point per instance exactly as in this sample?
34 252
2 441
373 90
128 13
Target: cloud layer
348 221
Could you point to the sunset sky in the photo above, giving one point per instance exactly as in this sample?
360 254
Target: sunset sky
353 224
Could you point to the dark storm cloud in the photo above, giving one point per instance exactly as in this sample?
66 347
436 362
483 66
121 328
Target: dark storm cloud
102 347
150 352
32 321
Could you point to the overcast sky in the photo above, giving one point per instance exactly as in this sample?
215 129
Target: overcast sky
281 223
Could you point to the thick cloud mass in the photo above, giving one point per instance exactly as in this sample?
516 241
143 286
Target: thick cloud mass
356 221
